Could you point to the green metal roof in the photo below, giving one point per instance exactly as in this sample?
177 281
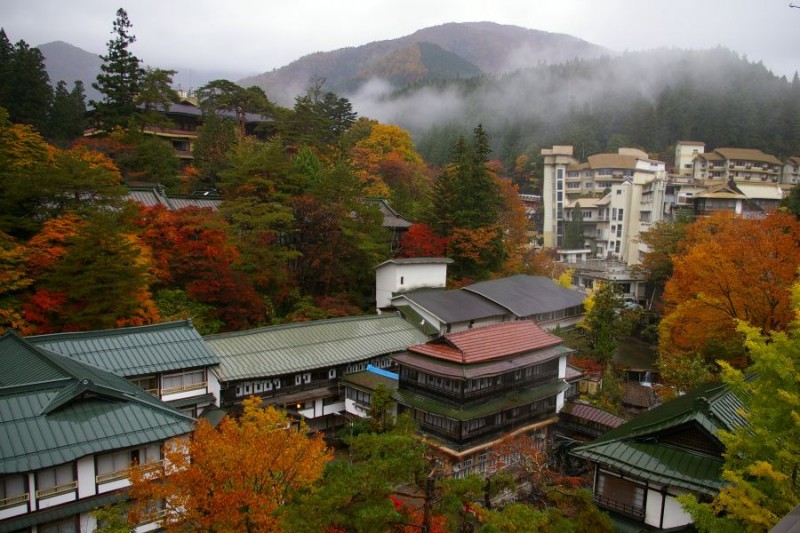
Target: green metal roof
369 381
134 351
54 409
305 346
410 314
635 448
491 406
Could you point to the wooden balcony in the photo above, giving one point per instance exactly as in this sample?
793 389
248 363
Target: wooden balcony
631 511
13 501
474 397
57 489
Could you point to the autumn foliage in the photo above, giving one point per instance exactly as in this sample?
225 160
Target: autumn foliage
235 477
728 269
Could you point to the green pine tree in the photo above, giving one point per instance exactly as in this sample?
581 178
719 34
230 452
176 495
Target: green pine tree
120 79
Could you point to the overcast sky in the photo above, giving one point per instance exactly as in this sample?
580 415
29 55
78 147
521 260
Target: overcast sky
254 36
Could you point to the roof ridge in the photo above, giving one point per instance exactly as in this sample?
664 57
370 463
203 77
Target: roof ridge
112 331
293 325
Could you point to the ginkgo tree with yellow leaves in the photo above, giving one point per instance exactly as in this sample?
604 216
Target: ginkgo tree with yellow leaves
762 458
235 477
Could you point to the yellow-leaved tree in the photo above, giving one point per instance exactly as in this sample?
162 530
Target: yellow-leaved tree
235 477
762 458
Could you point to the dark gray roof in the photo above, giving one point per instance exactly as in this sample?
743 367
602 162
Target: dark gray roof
453 306
391 218
527 295
134 351
417 261
54 409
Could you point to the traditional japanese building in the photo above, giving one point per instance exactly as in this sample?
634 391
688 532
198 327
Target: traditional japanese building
298 366
170 360
641 467
69 433
469 390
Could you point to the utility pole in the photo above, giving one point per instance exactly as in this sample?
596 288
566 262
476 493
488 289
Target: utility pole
426 517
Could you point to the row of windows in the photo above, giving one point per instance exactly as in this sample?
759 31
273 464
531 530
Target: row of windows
247 388
62 479
171 383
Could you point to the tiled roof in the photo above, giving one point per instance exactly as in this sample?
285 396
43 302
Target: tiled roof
488 343
592 414
152 196
455 370
305 346
761 191
134 351
54 409
747 154
634 447
528 295
599 161
452 306
391 218
417 261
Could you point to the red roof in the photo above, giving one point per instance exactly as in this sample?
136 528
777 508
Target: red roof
487 343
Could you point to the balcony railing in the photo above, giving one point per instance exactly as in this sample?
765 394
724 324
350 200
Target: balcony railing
11 501
57 489
184 388
633 511
125 472
463 435
467 398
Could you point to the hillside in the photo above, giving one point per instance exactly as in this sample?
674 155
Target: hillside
70 63
453 50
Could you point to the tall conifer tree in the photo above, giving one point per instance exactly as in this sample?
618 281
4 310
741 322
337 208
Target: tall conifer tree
121 77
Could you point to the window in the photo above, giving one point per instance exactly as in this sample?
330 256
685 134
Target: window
183 381
112 466
402 278
65 525
148 383
12 491
619 231
56 480
332 373
619 214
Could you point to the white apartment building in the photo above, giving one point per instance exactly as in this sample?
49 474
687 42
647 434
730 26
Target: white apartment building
610 191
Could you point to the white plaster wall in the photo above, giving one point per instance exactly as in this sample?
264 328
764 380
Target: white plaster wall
674 515
213 385
392 278
86 477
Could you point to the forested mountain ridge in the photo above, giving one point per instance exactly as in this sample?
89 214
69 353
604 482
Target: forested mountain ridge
492 48
646 99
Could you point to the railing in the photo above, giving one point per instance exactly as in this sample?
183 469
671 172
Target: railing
11 501
471 397
57 489
184 388
125 472
155 516
633 511
464 435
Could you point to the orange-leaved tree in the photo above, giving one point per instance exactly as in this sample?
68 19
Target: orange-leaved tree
727 269
234 477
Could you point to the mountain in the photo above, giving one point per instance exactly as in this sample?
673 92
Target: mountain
64 61
70 63
450 50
